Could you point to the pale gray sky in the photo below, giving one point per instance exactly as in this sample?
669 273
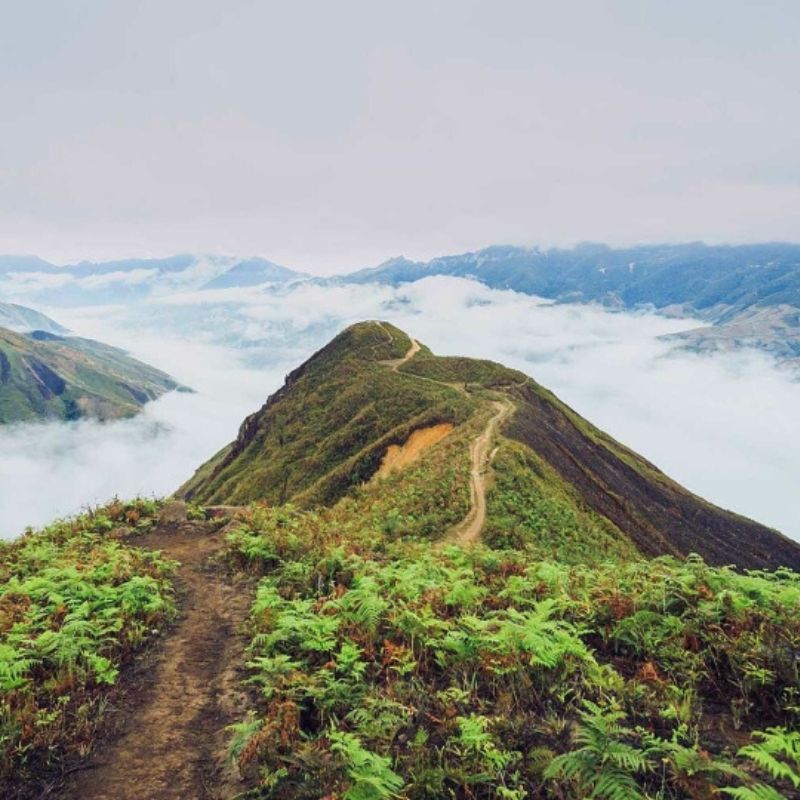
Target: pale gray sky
332 135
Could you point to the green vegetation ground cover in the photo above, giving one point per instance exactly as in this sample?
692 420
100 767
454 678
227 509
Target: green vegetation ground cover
543 663
530 507
551 660
75 602
457 369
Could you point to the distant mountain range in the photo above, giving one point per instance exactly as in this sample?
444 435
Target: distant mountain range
749 293
129 280
46 376
715 281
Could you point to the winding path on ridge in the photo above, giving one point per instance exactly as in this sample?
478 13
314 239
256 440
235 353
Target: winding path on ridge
481 453
172 741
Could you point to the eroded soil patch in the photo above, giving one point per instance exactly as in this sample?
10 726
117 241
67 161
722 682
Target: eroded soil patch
400 456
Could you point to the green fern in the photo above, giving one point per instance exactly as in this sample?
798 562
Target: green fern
604 765
758 791
363 604
777 754
370 775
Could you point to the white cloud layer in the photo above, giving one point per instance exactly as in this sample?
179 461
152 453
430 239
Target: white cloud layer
131 277
725 426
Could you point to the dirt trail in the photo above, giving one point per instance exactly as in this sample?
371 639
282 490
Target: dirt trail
173 740
481 454
469 529
396 363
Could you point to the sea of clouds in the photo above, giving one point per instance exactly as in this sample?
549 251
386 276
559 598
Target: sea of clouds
723 425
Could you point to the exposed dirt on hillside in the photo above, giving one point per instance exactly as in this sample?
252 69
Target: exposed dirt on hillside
481 454
171 745
400 456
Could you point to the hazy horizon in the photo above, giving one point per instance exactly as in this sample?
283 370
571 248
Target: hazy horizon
308 268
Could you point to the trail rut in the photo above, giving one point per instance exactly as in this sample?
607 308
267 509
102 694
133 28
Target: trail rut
172 744
481 454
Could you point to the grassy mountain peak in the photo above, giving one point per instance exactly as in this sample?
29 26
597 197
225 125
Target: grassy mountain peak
326 431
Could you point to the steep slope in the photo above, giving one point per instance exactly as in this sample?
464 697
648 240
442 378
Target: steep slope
326 431
22 320
44 376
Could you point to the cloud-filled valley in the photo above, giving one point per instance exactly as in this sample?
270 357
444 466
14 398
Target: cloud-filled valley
723 425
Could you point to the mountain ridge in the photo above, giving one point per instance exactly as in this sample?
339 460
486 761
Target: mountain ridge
324 433
507 600
721 280
718 279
